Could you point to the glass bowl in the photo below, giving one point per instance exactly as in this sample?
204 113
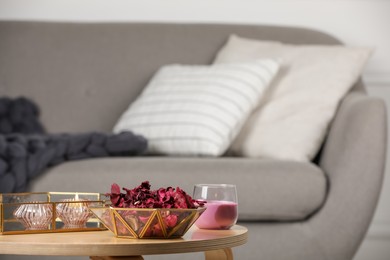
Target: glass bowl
147 223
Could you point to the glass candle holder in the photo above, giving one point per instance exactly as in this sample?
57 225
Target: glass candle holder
221 205
74 212
34 216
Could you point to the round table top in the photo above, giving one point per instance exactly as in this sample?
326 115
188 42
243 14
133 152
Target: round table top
104 243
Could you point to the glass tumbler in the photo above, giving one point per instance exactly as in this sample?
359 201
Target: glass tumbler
221 205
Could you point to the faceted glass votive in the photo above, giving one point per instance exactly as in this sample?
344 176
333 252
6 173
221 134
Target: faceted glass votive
74 213
34 216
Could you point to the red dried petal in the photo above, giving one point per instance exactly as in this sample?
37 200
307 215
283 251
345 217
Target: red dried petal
143 197
115 189
171 220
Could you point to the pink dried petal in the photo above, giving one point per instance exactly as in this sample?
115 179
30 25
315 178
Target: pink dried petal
171 221
143 197
148 232
157 231
143 219
115 189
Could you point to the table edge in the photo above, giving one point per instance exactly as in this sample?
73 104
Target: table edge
182 246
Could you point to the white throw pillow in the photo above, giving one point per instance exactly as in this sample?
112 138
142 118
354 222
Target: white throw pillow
292 120
197 109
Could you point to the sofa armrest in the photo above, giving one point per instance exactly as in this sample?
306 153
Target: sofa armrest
353 159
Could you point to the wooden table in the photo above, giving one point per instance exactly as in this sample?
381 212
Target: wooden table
216 244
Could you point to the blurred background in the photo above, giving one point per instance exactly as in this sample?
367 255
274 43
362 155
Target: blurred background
355 22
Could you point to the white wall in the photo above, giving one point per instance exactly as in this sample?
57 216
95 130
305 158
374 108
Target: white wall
356 22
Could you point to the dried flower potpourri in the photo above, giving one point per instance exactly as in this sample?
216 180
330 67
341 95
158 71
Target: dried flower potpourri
143 197
145 213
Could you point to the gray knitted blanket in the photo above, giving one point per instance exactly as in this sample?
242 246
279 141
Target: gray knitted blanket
26 150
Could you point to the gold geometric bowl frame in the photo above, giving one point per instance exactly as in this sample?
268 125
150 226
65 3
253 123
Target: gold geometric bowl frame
154 217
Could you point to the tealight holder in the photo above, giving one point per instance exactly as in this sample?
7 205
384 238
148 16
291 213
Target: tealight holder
34 216
74 212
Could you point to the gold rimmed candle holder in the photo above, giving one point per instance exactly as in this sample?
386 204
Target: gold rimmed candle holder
43 212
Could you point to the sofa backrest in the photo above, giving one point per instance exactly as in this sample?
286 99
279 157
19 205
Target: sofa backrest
84 75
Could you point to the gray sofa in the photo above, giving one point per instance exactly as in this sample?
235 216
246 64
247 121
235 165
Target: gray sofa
83 76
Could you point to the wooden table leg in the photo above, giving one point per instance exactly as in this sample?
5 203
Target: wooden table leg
136 257
220 254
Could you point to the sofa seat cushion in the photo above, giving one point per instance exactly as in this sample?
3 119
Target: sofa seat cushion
267 189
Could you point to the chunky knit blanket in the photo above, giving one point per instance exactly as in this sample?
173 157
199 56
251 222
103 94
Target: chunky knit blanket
26 150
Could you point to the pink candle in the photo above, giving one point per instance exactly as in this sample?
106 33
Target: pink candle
218 215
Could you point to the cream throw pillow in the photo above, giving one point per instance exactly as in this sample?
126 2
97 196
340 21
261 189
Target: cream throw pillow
293 118
197 110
